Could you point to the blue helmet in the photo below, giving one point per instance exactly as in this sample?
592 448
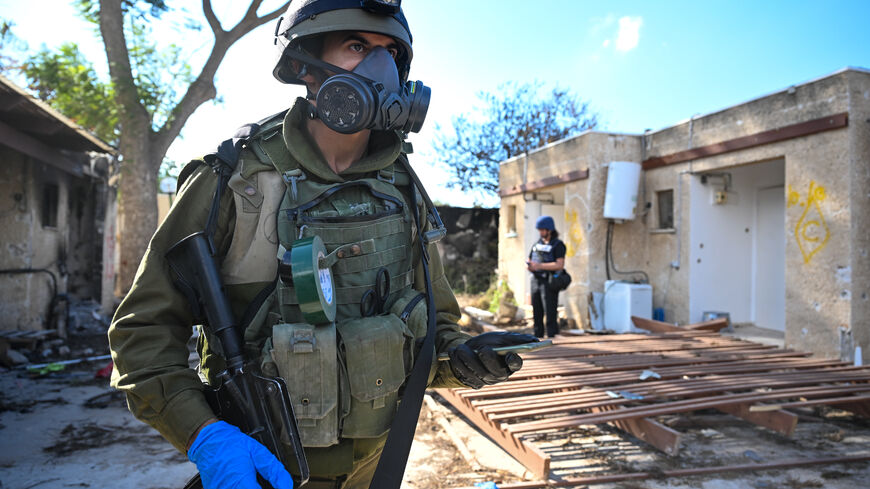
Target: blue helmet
545 222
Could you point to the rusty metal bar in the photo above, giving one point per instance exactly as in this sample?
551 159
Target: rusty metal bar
635 476
835 121
526 453
567 386
679 407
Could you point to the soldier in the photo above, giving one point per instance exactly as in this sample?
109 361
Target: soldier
331 169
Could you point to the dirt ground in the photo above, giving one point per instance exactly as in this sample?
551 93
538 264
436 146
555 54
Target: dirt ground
68 429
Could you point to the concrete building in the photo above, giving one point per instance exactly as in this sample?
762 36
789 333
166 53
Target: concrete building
56 214
760 210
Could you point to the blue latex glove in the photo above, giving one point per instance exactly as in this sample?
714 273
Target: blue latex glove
229 459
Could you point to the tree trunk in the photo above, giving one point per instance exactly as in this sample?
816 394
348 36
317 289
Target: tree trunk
137 210
143 147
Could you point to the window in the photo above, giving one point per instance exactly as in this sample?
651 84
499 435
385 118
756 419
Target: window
49 205
512 219
665 205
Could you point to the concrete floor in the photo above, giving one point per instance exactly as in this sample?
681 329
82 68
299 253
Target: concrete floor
751 332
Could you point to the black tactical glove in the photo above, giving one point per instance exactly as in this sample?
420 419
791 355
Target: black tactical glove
475 363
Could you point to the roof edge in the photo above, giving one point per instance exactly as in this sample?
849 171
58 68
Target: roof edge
84 133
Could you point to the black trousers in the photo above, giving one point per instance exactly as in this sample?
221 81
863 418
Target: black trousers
544 300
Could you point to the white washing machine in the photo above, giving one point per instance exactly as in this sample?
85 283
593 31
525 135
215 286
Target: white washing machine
622 300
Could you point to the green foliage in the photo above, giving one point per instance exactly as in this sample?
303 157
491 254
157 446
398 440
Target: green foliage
68 82
498 291
162 74
515 119
90 9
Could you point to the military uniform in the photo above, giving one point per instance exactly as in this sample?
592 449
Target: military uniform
152 326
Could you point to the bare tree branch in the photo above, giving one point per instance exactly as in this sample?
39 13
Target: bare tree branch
514 120
252 9
250 21
202 89
212 19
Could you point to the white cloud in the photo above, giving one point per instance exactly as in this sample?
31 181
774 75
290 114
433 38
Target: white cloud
605 43
629 33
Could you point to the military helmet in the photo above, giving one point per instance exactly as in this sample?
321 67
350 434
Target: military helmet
308 19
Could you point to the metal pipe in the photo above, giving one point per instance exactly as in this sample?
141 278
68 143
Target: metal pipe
55 297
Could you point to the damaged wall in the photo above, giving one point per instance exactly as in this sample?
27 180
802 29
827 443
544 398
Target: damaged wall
827 204
580 202
28 242
53 222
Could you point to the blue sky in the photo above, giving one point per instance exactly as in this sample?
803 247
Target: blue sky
640 64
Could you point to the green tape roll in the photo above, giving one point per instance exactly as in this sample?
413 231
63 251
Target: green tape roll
315 287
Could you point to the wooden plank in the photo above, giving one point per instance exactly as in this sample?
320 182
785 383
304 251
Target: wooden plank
835 121
782 422
654 326
527 454
713 325
651 431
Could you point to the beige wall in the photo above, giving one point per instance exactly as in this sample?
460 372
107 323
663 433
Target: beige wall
827 186
859 196
584 228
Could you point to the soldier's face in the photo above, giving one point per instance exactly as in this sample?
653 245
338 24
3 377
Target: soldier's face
346 49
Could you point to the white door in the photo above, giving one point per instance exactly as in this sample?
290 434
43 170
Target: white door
557 212
769 303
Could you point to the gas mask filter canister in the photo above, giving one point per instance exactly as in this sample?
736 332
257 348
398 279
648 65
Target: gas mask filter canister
372 97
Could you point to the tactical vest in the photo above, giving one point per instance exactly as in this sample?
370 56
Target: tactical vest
344 376
543 253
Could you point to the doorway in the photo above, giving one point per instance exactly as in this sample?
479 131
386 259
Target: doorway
769 259
737 244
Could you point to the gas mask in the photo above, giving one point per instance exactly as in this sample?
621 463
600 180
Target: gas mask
369 97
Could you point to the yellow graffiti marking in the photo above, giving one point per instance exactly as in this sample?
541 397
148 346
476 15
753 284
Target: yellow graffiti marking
811 231
794 198
575 233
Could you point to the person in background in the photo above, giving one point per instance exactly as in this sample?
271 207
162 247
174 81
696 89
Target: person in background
546 257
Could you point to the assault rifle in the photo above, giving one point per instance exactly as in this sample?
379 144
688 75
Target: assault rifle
259 406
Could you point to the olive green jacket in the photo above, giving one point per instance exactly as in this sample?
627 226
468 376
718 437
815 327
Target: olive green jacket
151 328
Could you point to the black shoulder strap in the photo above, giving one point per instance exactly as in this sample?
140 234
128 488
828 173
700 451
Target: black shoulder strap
437 229
391 466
